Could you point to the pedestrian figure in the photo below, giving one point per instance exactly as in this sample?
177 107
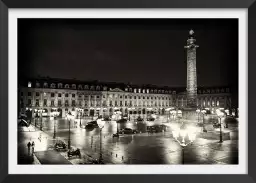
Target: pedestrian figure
40 137
29 145
33 147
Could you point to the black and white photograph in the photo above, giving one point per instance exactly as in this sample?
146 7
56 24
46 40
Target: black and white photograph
126 91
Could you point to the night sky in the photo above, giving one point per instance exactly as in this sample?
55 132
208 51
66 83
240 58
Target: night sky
140 51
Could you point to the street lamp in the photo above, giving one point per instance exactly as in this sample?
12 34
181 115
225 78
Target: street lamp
173 112
179 115
184 135
101 124
203 112
41 124
36 116
198 112
69 118
220 114
80 115
227 113
129 110
55 113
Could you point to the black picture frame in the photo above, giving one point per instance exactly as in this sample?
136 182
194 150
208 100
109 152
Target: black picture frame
5 5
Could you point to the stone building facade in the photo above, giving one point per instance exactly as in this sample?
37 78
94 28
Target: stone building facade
103 98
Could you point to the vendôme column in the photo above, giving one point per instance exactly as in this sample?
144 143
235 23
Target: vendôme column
191 71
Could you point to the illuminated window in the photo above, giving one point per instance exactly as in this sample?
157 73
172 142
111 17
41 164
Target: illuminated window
53 85
29 84
80 87
134 90
45 85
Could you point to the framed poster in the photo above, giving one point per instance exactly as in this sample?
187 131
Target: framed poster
131 92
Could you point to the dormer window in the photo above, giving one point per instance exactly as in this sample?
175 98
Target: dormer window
45 85
38 85
97 87
105 88
135 90
59 85
80 87
155 91
86 87
52 85
92 88
147 90
66 86
139 90
73 86
130 89
126 89
143 91
29 84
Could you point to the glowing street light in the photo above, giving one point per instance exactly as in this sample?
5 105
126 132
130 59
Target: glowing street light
101 124
69 118
173 112
79 110
179 112
203 112
198 112
227 113
55 113
41 124
220 114
184 135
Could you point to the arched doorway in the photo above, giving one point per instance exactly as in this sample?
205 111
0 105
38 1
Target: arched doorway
144 111
111 111
60 112
163 111
91 112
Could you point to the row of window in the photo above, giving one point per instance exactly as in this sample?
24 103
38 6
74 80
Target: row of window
115 103
80 96
105 88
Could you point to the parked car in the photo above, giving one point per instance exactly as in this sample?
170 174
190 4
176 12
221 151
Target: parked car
107 118
139 119
92 124
128 131
60 145
151 119
156 128
73 152
115 135
123 120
